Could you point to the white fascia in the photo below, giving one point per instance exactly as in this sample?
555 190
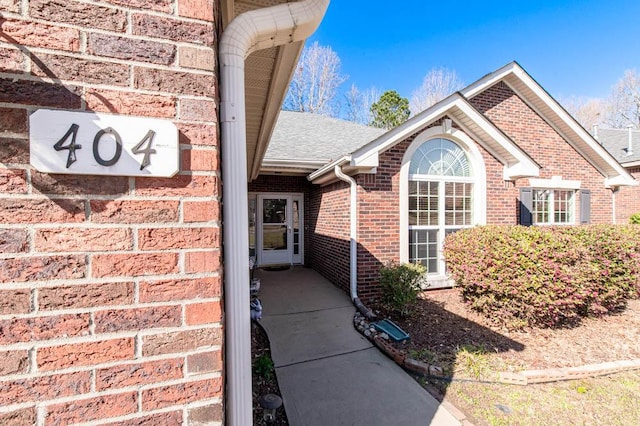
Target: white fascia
251 31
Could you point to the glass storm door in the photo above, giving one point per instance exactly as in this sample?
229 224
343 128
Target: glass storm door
279 233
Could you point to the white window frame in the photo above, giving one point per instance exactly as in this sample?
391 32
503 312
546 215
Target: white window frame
479 198
556 183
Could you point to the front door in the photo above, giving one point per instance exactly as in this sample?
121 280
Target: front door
279 229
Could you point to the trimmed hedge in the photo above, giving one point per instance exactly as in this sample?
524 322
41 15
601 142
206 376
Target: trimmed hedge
545 276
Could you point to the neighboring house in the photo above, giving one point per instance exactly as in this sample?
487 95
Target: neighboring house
500 151
624 145
111 300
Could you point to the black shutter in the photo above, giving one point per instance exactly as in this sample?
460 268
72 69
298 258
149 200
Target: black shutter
526 204
585 206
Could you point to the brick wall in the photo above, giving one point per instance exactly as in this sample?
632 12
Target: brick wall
328 234
557 158
628 199
110 309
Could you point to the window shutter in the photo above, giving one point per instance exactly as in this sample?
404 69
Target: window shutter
585 206
526 204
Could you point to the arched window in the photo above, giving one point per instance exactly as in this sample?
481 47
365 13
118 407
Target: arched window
440 199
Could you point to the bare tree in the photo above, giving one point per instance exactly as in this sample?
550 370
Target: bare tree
437 84
624 102
358 104
315 81
587 111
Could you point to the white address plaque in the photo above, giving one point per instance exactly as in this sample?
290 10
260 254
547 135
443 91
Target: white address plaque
89 143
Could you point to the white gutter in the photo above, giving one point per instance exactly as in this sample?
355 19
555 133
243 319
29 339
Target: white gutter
247 33
353 231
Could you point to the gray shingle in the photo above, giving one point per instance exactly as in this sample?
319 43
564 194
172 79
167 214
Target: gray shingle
616 141
306 136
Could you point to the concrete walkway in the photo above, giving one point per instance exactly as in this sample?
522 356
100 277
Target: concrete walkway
329 374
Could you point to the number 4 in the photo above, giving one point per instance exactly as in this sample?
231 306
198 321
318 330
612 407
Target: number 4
146 151
71 158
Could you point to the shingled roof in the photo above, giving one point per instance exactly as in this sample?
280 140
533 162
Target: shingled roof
616 141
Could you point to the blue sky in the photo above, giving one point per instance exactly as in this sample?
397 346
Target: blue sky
572 48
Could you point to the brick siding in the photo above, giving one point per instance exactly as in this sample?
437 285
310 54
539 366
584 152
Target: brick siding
110 304
628 199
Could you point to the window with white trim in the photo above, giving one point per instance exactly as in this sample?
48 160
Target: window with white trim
440 200
553 207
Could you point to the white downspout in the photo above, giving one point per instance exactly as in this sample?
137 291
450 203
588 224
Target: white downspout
248 32
353 231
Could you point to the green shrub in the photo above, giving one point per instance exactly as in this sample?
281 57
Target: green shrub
635 219
541 276
263 367
401 285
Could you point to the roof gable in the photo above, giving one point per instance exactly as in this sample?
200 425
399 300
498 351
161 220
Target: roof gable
524 86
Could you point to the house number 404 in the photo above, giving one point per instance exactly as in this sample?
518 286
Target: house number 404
142 147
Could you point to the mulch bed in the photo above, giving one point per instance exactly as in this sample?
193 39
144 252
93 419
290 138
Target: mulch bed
441 324
261 385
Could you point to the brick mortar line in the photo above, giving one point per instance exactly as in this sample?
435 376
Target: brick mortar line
114 197
42 313
18 285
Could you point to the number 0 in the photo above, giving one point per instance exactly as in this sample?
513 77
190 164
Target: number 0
116 155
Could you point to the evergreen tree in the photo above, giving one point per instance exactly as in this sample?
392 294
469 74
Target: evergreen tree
390 111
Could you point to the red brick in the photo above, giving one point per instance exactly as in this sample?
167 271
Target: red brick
183 393
199 59
44 387
14 150
81 14
11 60
134 264
198 134
85 296
21 417
37 34
80 70
130 103
43 328
42 268
180 341
13 181
81 354
181 185
14 240
198 110
98 408
203 313
182 83
199 160
41 211
10 6
200 211
130 49
204 362
112 321
83 239
197 9
157 5
39 93
175 290
13 120
172 29
130 211
61 184
171 418
139 374
206 414
177 238
13 302
13 362
202 261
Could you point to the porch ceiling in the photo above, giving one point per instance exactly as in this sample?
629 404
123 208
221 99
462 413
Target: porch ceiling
267 76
